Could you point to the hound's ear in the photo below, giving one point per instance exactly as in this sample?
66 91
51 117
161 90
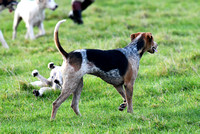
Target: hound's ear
51 65
149 37
133 36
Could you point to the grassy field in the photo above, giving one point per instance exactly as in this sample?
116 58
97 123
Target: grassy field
167 90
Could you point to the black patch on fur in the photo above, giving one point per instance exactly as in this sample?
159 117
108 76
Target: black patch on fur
140 45
121 109
51 66
35 74
75 58
123 105
36 93
57 81
108 60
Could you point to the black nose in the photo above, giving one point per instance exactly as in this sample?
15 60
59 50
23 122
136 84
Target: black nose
56 6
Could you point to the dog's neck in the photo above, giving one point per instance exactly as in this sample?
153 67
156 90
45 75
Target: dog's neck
131 52
41 7
140 46
41 4
136 48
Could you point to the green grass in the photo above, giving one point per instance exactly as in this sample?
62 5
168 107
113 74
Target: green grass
167 90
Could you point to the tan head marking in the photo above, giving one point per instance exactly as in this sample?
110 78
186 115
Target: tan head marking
133 36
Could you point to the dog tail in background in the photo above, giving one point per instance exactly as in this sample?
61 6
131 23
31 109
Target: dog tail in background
56 40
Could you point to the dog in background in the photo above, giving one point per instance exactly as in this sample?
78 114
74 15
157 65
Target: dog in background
32 12
118 67
3 5
53 82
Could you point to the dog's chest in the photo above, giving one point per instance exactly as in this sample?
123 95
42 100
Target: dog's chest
132 55
37 18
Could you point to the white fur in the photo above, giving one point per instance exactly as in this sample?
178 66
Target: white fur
32 13
77 1
48 84
2 40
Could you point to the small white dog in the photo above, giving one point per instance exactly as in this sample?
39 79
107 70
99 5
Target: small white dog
32 12
3 5
55 80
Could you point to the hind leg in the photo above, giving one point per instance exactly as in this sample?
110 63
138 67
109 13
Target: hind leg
69 87
121 91
76 97
58 102
41 30
16 22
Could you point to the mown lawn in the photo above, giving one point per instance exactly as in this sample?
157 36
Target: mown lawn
166 93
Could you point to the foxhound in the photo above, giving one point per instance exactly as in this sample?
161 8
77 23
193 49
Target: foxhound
118 67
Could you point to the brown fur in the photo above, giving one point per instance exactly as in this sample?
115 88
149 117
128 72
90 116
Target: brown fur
133 36
129 74
75 62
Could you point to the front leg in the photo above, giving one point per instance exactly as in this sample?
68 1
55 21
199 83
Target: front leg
121 91
30 32
45 81
41 30
129 95
129 81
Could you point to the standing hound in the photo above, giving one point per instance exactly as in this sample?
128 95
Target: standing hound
3 5
118 67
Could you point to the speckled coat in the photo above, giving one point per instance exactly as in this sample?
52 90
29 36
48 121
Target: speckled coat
118 67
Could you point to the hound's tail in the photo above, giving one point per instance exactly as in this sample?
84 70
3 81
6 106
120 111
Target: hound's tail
56 40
